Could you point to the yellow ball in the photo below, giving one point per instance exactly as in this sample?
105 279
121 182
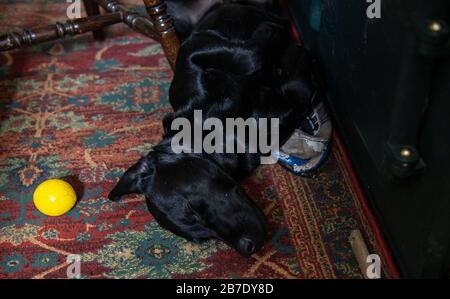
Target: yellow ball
54 197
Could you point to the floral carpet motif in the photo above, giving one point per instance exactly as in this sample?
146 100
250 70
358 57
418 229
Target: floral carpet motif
84 111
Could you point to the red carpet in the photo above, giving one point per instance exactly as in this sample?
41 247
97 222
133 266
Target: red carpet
85 111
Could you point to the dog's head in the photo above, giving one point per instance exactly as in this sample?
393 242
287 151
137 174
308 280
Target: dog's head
194 198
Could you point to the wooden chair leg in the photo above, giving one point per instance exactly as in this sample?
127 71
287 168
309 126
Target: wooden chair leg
134 20
56 31
164 26
93 9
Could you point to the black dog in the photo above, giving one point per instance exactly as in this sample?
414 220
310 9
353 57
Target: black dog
237 61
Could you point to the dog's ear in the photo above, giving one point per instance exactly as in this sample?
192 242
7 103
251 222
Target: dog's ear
167 122
187 13
133 179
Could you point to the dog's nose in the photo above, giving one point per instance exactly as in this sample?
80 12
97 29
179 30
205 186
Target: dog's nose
246 246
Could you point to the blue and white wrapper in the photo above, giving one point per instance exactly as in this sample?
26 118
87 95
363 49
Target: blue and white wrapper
309 146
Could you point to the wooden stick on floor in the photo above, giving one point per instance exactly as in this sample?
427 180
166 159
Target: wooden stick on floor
359 250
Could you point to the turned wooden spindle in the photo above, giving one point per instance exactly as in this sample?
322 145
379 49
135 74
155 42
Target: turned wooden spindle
158 26
164 26
134 20
93 9
56 31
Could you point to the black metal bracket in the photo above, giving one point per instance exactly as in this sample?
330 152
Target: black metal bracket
405 160
431 38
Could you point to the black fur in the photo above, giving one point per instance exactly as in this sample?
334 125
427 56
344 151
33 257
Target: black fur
237 61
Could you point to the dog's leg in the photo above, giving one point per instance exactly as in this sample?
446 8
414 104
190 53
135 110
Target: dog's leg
295 75
187 13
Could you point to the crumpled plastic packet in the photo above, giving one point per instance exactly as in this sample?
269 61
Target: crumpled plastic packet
309 146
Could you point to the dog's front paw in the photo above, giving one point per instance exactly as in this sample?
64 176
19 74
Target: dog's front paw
113 196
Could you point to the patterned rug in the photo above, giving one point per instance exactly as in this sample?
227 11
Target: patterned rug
85 111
